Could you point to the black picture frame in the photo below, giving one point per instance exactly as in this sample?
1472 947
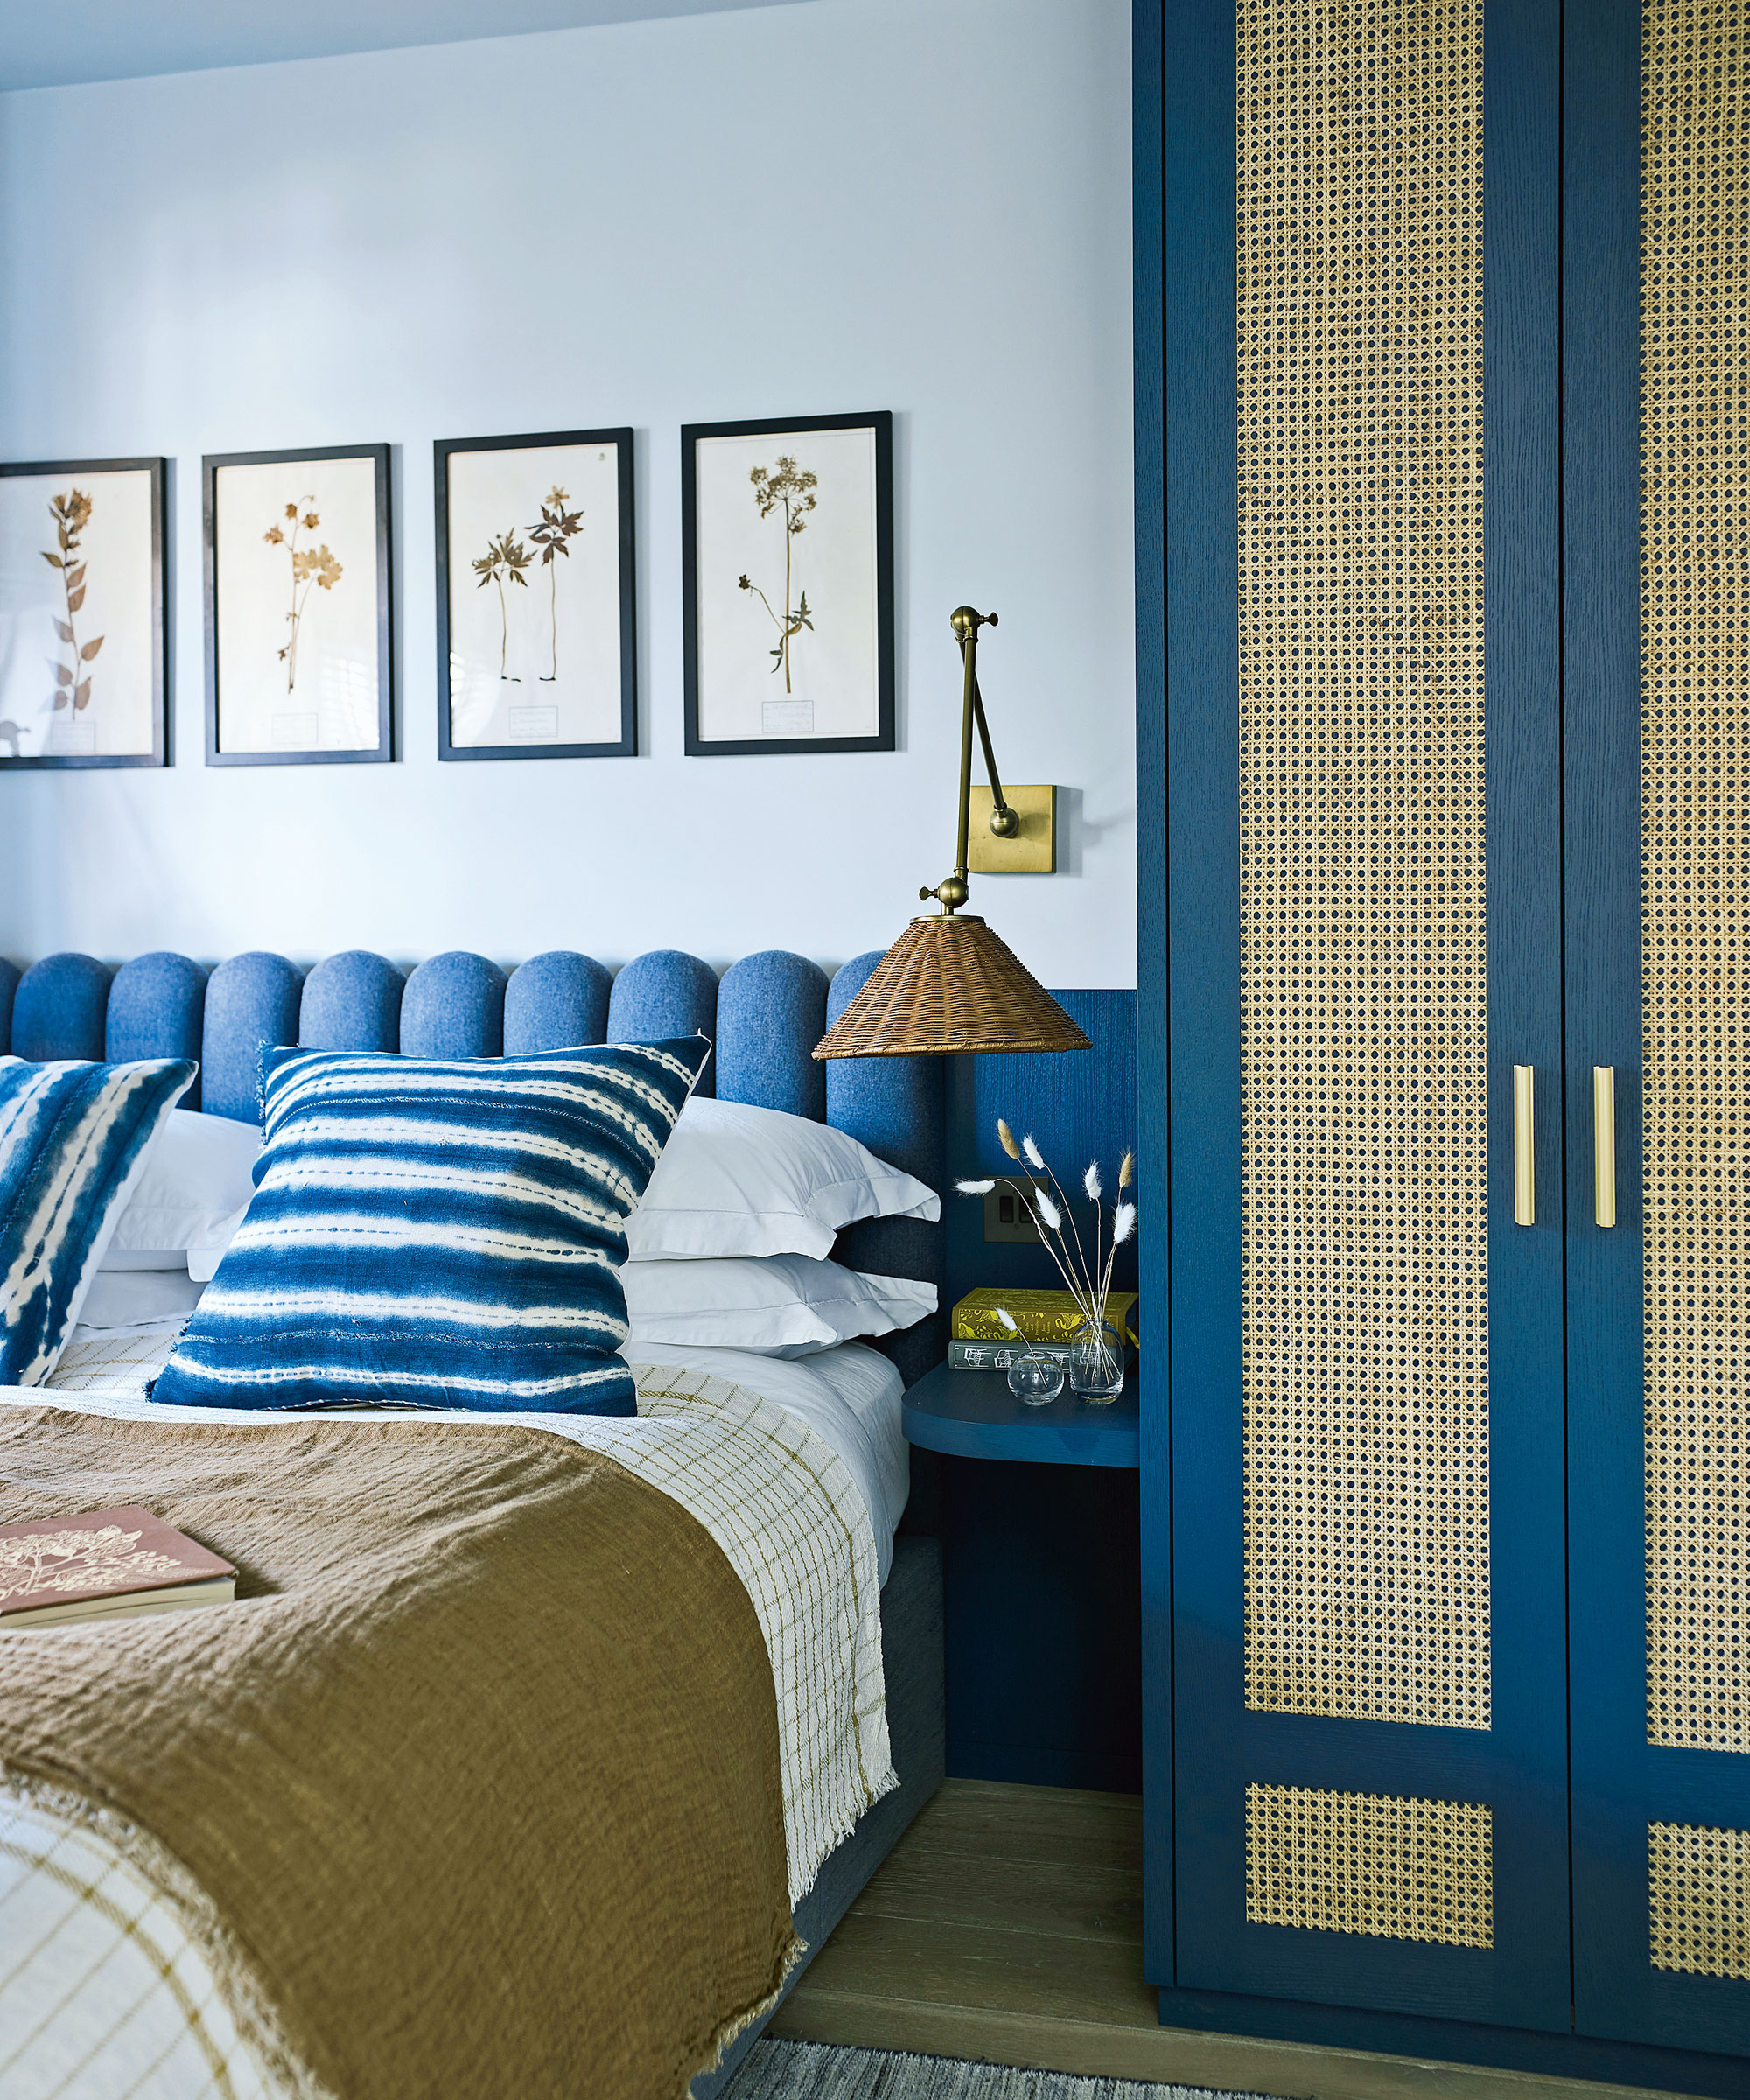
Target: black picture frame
384 751
157 466
624 746
881 422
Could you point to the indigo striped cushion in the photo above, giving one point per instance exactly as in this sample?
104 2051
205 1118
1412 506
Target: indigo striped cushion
437 1234
73 1141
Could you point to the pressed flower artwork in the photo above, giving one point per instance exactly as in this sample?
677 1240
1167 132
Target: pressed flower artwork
82 614
312 568
297 607
534 596
787 553
785 492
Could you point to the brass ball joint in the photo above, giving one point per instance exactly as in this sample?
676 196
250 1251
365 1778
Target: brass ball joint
952 891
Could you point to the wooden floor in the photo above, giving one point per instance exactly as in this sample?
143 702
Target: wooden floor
1006 1925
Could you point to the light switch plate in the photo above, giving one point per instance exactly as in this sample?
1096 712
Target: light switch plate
1007 1217
1034 853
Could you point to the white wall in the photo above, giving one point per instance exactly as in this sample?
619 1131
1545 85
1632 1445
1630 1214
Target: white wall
919 205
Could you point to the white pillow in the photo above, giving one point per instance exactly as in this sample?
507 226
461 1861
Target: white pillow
191 1197
116 1301
780 1305
739 1180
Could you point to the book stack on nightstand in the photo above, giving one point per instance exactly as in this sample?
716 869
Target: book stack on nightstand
970 1414
1045 1320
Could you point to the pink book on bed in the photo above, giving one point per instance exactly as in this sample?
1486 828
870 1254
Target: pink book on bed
104 1564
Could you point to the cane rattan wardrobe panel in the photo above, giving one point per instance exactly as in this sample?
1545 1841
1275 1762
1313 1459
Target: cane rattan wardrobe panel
1698 1880
1363 956
1391 1868
1695 782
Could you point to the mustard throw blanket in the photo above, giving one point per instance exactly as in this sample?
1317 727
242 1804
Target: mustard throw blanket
473 1792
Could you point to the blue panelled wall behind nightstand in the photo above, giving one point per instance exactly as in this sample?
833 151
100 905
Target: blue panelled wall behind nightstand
1041 1566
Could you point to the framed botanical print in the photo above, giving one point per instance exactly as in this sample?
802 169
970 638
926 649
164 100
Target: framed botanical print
298 630
82 665
537 654
787 571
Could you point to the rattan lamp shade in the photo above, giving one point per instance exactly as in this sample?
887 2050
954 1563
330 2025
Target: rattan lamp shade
947 986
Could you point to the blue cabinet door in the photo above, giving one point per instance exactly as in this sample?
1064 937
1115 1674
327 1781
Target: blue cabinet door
1657 451
1361 323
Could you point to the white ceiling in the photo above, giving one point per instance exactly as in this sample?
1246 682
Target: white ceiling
54 43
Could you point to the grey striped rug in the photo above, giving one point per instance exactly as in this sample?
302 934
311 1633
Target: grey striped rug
810 2070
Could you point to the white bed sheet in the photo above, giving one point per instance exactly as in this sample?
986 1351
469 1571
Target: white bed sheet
102 1997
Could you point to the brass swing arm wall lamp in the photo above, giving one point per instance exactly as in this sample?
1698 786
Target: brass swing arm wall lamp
948 986
1004 821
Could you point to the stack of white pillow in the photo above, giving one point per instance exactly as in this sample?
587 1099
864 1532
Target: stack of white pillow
189 1200
727 1250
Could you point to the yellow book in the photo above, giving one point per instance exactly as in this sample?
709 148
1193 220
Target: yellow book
1041 1315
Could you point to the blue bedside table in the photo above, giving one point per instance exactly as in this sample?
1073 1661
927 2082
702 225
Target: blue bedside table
973 1415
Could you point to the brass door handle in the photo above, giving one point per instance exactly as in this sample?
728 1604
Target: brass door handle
1604 1143
1525 1147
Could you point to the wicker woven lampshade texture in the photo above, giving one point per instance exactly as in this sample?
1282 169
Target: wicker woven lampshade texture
946 987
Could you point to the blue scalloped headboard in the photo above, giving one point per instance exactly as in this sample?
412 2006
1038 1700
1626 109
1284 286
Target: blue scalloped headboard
765 1017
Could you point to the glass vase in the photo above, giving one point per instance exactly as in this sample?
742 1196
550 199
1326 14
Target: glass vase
1035 1379
1097 1362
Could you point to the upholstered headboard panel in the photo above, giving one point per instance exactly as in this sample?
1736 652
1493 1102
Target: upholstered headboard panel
764 1019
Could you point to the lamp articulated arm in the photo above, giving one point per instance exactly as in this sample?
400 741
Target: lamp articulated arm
1004 821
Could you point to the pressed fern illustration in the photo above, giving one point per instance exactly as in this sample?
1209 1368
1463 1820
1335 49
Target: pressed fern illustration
310 567
557 525
505 557
792 490
71 514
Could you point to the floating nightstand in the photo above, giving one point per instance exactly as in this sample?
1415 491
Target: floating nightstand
973 1415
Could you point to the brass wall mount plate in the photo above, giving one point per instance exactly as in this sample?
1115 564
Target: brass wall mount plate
1035 852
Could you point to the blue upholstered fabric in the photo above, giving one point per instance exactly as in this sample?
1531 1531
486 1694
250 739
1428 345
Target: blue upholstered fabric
430 1234
661 994
763 1019
554 1000
252 1001
771 1011
9 974
156 1005
894 1106
454 1006
71 1136
351 1001
57 1011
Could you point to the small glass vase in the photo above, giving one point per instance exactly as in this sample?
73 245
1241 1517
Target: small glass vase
1097 1362
1035 1379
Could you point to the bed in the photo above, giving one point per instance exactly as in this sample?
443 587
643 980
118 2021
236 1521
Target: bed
101 1991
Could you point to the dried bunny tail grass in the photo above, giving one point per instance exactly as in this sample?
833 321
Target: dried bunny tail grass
1127 1170
1090 1181
1002 1312
1048 1210
1035 1157
1124 1223
1008 1139
975 1188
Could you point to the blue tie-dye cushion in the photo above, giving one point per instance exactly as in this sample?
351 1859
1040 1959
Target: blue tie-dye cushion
74 1141
437 1234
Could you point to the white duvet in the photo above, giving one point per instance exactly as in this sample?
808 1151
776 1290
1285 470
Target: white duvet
798 1470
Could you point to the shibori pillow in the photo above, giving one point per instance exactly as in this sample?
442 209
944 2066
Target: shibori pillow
437 1234
74 1140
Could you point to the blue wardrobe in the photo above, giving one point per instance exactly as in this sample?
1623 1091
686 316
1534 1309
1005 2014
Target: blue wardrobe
1444 617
